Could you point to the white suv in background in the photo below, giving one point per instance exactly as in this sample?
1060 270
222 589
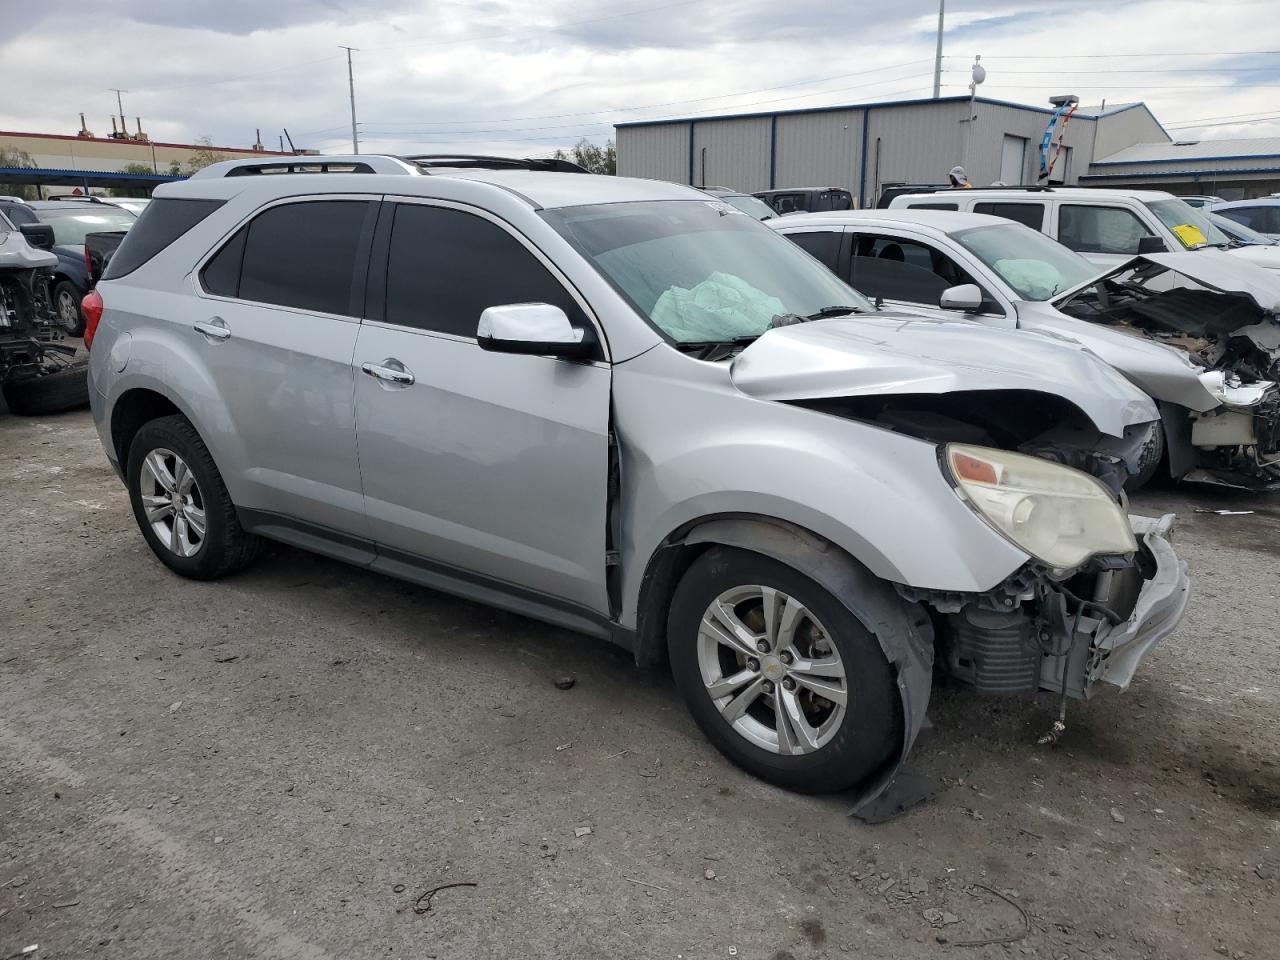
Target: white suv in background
1104 226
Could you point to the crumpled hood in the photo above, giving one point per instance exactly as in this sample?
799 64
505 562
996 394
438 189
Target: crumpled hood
892 353
1214 269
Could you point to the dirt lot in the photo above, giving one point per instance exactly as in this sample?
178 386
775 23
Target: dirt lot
280 764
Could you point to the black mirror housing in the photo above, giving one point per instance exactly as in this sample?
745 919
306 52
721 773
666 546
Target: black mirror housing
1151 245
39 235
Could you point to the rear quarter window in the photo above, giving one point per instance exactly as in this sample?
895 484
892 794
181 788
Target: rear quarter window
1028 214
162 222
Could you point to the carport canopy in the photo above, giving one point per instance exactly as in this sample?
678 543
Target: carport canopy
46 177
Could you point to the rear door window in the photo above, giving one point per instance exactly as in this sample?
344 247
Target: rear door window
899 269
446 266
308 255
822 244
1093 229
1028 214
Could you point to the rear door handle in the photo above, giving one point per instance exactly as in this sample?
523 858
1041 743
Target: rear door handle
214 329
390 370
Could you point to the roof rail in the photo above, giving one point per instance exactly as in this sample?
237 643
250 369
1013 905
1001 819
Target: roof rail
481 162
891 190
344 163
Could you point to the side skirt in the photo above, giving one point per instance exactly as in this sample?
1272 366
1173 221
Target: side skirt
436 576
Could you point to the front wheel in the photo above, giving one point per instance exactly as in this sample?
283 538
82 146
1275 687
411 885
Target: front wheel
780 675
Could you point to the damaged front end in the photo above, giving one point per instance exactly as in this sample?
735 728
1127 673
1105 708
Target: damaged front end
1226 327
1065 632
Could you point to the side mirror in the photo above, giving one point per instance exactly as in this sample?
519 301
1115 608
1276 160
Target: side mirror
966 297
532 328
39 235
1151 245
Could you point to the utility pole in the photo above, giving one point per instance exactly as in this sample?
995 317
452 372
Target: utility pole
351 83
120 104
937 60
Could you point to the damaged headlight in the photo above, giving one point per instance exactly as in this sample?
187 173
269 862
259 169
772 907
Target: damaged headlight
1057 514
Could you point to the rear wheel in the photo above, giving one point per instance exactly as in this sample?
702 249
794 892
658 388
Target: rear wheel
182 505
66 388
780 675
66 305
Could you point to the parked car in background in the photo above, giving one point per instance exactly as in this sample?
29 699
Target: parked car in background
1208 348
1194 201
134 205
1262 214
751 206
627 408
1240 233
71 220
38 371
1104 226
801 199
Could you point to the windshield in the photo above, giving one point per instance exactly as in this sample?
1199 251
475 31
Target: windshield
1192 227
1035 266
70 226
701 271
751 206
1238 231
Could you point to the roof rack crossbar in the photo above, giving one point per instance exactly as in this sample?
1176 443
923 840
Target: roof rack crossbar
345 163
455 161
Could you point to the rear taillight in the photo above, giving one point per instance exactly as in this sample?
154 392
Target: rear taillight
88 263
91 310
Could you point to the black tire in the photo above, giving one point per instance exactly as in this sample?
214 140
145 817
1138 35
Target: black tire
869 734
66 388
65 291
1151 462
226 546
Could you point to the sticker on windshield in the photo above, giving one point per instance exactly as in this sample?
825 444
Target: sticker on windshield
1190 236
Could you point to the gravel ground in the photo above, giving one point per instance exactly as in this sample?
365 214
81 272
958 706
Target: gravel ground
280 765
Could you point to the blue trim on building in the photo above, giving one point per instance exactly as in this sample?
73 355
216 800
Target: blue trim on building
691 123
849 106
1143 163
24 175
773 150
1196 175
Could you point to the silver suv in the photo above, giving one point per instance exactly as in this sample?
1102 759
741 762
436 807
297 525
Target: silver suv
626 408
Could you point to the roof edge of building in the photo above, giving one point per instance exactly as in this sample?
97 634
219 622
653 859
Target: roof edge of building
146 143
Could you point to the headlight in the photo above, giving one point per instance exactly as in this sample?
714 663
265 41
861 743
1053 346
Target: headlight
1057 514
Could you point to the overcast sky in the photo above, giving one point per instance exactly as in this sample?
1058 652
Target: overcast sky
520 78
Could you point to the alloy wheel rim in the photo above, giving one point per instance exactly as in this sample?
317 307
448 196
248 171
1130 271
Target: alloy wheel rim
172 502
67 312
772 670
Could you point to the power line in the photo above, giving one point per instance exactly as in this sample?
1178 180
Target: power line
1224 123
1228 116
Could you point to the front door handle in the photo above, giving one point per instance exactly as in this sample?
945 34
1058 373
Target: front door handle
390 370
214 329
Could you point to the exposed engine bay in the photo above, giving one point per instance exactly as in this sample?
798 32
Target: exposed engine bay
1039 424
1232 338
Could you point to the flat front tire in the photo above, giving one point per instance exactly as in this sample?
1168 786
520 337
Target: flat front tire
182 505
780 675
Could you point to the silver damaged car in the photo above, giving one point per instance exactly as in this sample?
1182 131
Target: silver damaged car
626 408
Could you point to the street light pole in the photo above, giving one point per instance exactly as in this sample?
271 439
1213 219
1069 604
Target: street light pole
937 60
351 84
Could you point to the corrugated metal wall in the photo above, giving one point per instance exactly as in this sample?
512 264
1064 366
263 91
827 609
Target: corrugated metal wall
1125 128
819 150
732 153
659 152
912 143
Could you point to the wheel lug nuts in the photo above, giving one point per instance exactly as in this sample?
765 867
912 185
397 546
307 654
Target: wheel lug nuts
762 646
753 664
788 684
767 686
784 657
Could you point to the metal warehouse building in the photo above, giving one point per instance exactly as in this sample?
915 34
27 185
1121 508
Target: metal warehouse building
863 147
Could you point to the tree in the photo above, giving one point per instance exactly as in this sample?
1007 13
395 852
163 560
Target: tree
203 155
592 157
142 168
17 158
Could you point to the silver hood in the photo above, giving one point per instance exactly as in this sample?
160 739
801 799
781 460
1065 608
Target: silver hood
1213 269
905 354
17 254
